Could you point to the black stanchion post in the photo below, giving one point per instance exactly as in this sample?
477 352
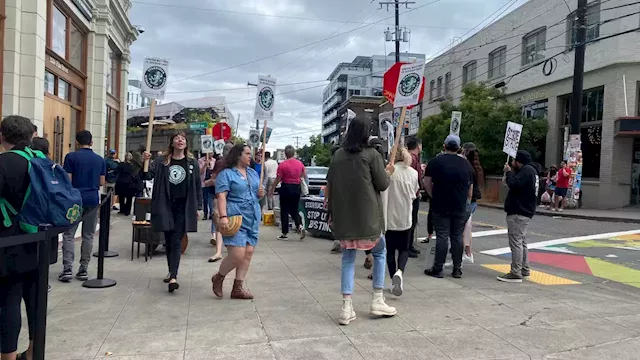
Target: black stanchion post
100 282
107 199
42 285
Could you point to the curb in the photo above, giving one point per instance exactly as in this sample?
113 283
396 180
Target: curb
569 215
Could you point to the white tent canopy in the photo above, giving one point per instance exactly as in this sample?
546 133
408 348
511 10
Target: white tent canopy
168 110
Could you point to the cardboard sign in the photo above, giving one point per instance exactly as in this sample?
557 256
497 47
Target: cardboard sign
409 84
154 78
206 144
265 98
456 121
512 138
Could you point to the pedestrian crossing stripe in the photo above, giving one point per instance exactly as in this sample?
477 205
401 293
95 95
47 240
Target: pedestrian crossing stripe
537 277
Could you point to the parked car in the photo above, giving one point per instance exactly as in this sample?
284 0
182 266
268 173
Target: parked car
317 178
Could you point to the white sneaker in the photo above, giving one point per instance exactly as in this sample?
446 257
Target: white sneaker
467 259
347 315
448 263
379 307
397 284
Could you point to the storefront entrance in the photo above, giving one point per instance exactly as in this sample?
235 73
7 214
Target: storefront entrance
635 174
57 128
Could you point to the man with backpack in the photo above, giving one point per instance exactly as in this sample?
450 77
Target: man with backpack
87 171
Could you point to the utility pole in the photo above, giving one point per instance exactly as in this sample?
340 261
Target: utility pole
400 35
297 138
578 68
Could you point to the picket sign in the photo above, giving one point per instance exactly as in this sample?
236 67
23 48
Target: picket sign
264 148
154 84
512 139
396 142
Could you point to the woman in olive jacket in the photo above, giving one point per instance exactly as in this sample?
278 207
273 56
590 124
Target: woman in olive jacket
176 199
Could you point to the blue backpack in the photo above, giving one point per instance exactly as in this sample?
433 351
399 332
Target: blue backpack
50 198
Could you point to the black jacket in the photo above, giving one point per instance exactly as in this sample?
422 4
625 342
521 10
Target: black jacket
161 212
128 181
523 191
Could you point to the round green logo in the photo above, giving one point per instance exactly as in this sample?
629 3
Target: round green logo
155 77
266 99
409 84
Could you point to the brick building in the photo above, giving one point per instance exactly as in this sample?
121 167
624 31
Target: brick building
539 30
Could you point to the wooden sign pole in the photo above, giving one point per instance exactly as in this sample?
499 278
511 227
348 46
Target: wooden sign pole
264 147
396 140
152 110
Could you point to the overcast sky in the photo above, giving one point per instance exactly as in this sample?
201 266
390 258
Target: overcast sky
203 38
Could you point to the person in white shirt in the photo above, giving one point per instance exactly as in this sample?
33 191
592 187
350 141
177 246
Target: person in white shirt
398 202
270 168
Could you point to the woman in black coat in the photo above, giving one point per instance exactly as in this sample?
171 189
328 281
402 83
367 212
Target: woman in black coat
176 199
128 183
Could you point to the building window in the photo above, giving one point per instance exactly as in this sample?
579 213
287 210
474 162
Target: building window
63 89
593 24
432 87
439 87
536 110
469 72
498 63
533 46
49 83
76 47
113 73
59 33
447 83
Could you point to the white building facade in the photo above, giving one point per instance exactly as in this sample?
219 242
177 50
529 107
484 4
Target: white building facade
135 100
362 76
539 30
65 66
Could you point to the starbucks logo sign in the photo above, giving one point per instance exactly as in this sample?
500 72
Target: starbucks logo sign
155 77
384 125
266 99
409 84
455 125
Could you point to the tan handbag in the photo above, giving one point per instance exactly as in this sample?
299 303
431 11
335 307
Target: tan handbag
235 222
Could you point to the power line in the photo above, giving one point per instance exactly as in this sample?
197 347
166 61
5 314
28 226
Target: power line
241 88
294 49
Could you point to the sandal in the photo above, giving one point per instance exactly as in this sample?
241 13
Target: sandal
368 264
213 242
215 259
167 279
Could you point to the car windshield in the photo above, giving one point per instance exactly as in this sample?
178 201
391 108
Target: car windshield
317 171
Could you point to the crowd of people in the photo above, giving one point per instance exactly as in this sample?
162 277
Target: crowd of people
233 189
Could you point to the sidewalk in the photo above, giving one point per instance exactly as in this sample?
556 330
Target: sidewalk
297 301
624 215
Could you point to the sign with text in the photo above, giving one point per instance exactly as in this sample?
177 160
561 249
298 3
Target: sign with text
154 78
456 121
206 144
314 216
512 138
269 131
198 126
265 98
409 84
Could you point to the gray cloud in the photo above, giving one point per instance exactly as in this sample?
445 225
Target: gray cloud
198 41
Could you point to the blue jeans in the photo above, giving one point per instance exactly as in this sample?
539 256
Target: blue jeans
379 253
207 201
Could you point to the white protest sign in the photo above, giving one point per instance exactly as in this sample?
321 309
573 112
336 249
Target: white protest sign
154 78
254 138
390 135
206 144
218 146
456 120
265 98
512 138
350 116
384 119
409 84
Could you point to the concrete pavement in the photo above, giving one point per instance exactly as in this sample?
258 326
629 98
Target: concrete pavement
624 215
297 290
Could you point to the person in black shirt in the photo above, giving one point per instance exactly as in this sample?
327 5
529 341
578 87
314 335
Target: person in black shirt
176 199
127 184
18 264
449 182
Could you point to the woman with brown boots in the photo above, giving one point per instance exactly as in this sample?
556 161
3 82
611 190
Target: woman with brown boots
238 218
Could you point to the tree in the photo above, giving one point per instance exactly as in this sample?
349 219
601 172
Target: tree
485 113
322 152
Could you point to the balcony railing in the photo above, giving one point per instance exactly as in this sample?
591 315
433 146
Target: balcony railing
329 130
330 116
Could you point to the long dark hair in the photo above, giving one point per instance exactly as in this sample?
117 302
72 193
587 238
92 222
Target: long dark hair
234 155
169 153
357 137
474 158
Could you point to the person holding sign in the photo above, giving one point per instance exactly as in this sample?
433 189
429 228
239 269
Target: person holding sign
562 186
176 199
355 181
520 206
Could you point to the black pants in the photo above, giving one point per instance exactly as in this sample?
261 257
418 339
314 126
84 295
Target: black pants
173 239
414 221
289 199
126 202
430 223
397 241
449 227
13 289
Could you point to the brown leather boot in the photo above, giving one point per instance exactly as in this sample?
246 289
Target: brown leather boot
217 281
239 293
